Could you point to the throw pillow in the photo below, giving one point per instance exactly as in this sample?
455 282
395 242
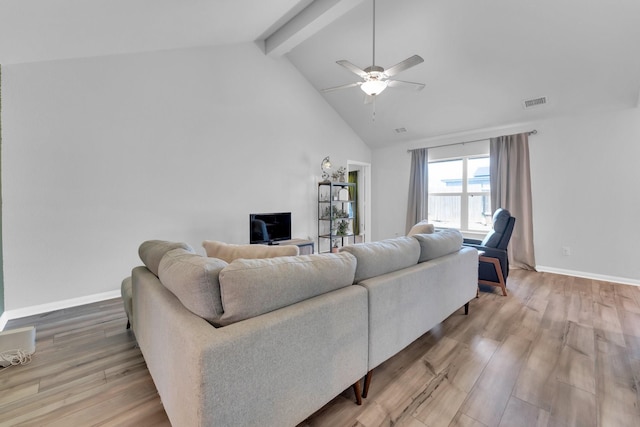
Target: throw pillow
229 252
385 256
194 280
152 251
438 244
423 227
251 287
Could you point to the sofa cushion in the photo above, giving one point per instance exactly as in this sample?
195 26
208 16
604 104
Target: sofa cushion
152 251
194 280
251 287
229 252
438 244
423 227
385 256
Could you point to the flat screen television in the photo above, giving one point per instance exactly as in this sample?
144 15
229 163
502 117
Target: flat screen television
269 227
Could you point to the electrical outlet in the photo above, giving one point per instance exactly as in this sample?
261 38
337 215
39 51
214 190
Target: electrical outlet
566 250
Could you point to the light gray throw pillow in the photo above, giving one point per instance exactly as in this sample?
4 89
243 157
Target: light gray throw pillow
251 287
385 256
229 252
438 244
152 251
194 280
423 227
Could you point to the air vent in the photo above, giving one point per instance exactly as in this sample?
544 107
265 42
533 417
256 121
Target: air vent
534 102
401 130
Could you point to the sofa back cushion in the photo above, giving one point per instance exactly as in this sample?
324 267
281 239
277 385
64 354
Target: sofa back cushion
229 252
423 227
385 256
194 280
438 244
251 287
152 251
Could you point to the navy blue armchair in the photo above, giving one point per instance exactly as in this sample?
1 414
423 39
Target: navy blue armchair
494 245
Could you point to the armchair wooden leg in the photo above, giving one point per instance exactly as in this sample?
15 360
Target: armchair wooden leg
496 264
367 383
356 390
466 309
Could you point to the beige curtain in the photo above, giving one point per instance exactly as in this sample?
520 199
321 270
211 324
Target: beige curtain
511 190
418 187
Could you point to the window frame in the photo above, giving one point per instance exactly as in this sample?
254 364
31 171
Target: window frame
464 194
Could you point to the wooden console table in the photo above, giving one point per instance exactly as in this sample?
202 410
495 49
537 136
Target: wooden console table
306 246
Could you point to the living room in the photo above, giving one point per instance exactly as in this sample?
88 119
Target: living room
105 146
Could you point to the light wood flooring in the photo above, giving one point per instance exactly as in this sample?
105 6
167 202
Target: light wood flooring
558 351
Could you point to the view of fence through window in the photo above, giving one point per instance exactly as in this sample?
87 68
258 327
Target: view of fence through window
459 194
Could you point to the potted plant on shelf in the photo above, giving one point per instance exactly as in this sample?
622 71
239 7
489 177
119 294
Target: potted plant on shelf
342 228
339 175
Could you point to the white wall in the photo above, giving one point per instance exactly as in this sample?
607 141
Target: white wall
585 178
101 154
585 194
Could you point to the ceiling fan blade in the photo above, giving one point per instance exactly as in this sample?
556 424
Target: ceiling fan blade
355 70
405 85
401 66
348 85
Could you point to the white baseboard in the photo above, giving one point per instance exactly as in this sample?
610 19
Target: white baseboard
53 306
585 275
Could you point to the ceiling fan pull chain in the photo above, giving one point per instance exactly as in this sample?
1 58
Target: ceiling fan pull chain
373 115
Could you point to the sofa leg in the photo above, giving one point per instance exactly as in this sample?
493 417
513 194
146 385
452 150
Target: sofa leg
466 309
128 324
367 383
356 390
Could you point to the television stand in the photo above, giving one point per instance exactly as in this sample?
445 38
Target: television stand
306 246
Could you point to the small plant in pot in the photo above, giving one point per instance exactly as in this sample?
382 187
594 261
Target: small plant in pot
342 228
339 175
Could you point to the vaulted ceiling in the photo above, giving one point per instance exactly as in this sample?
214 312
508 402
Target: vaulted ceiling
482 58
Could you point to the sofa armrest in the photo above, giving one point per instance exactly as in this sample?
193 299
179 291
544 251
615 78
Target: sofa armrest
469 242
487 271
272 370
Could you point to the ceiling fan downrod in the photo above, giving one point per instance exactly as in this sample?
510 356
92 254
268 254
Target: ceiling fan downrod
373 61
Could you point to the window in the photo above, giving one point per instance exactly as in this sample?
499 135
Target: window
460 194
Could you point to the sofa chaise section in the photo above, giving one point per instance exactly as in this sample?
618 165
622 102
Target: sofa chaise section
273 369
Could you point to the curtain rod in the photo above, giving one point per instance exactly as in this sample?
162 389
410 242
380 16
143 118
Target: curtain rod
532 132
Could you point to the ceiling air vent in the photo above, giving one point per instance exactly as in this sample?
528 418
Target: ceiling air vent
534 102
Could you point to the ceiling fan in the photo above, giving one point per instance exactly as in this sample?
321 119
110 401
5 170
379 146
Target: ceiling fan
375 78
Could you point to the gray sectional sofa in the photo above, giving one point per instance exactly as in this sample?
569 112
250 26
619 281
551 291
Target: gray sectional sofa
267 342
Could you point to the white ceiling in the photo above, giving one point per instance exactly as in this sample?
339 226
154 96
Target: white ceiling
40 30
482 58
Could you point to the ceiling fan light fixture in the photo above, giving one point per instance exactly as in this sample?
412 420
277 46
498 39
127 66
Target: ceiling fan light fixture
373 87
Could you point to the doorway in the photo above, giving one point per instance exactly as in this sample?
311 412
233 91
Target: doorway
360 173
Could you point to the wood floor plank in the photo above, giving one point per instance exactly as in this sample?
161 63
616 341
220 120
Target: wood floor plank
616 386
537 380
488 399
462 420
441 406
573 407
523 414
607 324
